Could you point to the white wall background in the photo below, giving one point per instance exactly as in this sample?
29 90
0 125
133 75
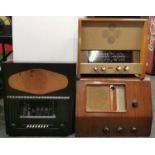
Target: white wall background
45 39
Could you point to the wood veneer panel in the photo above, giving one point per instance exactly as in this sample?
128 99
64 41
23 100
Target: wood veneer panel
38 81
92 124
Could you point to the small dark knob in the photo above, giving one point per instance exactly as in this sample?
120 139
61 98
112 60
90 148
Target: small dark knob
62 125
133 130
134 103
13 125
106 130
120 129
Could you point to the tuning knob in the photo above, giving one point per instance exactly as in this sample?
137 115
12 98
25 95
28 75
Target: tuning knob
118 68
119 129
126 68
103 68
95 69
133 130
13 125
106 130
134 103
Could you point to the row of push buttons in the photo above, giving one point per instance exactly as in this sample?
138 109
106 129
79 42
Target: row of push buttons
37 126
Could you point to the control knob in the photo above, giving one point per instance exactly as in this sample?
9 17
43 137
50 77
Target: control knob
126 68
134 103
95 69
103 68
119 129
118 68
133 129
106 130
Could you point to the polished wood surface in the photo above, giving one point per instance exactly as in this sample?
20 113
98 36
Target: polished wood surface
139 117
37 81
144 48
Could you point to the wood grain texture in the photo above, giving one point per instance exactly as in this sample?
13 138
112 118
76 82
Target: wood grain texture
79 47
144 47
92 124
38 81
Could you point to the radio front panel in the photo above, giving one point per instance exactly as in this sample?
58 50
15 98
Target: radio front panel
108 68
115 107
38 114
39 98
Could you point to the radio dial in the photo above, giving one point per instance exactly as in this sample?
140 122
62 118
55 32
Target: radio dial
126 68
95 69
118 68
103 68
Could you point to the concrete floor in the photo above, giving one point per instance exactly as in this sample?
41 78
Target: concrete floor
2 123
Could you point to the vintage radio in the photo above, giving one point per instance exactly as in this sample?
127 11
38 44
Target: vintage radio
39 98
113 107
112 46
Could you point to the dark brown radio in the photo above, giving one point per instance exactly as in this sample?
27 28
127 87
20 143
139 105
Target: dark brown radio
113 107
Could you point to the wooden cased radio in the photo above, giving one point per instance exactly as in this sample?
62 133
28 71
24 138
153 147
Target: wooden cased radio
39 98
112 46
113 107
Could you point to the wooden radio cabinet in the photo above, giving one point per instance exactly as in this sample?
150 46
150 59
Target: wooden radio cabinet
113 107
112 46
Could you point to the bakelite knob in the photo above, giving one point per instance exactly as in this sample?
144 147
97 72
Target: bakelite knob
118 68
95 69
106 130
133 129
103 68
126 68
62 125
120 129
13 125
134 103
